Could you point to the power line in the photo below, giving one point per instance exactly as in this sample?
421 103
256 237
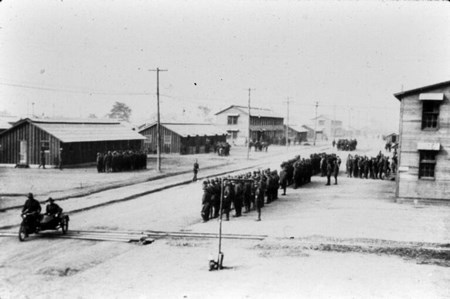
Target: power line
197 100
91 92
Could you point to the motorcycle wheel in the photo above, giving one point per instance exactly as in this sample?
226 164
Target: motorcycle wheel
64 225
22 233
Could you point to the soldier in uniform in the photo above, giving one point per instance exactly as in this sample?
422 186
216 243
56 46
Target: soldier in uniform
259 200
196 168
227 199
335 170
238 199
33 208
206 202
100 167
283 180
247 195
329 170
42 159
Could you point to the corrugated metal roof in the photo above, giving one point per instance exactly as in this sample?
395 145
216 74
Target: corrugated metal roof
190 129
83 132
261 112
75 120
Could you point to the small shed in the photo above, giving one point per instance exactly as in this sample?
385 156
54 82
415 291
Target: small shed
183 138
64 141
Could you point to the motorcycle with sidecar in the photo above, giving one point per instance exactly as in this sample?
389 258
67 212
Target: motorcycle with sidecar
33 224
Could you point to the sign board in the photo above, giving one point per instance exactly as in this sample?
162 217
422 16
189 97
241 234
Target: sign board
428 146
431 96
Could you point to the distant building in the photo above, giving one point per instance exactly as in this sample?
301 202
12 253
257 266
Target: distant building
265 125
297 134
392 138
183 138
424 160
72 142
330 128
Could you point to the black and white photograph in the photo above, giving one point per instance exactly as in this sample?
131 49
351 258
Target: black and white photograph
224 149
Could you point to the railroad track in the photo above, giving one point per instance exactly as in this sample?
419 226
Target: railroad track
131 236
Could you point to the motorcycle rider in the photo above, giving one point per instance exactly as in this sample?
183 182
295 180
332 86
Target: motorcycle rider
33 208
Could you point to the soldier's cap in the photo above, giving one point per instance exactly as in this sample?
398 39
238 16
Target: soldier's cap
205 182
50 200
30 195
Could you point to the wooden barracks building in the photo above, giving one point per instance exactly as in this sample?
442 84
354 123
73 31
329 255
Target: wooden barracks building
424 159
70 141
183 138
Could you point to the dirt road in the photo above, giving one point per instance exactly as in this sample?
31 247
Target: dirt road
299 258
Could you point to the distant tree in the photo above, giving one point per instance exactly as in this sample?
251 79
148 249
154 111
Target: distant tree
92 115
120 111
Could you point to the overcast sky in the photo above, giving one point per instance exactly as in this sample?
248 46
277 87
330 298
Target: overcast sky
75 57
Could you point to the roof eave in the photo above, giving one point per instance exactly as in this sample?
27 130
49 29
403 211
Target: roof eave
401 95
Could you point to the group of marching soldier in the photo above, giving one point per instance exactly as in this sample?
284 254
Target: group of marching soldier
346 144
378 167
251 191
117 161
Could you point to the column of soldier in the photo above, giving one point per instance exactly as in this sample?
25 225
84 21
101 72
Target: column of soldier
117 161
251 191
346 144
378 167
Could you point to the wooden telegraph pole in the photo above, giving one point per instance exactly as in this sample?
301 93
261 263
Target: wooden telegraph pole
158 122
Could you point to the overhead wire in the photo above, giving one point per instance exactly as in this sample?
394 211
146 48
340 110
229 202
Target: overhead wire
196 100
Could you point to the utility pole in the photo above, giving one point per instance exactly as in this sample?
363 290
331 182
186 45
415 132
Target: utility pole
333 124
315 124
249 123
287 123
158 122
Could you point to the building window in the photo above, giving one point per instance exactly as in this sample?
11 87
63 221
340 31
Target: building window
427 164
167 139
430 114
232 119
321 122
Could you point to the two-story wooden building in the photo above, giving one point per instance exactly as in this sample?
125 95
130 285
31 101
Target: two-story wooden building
424 159
330 128
262 125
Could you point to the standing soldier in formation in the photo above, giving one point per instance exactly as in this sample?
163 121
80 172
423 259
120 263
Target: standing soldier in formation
283 180
335 170
206 201
238 199
329 170
259 200
227 199
247 195
99 162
